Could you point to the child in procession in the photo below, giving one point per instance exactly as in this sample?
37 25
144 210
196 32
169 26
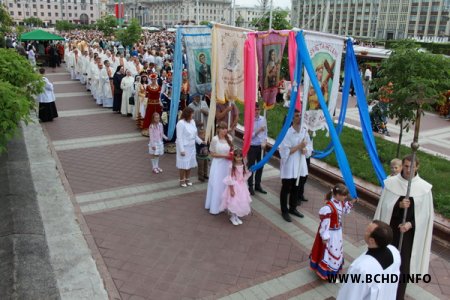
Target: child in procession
156 145
327 254
236 197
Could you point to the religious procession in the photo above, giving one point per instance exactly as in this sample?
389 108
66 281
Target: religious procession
204 94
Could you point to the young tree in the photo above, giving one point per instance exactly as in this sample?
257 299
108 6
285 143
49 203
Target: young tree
239 21
131 34
204 22
107 24
418 79
33 21
264 5
18 85
279 21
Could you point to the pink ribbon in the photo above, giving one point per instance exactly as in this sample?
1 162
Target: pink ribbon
250 90
292 52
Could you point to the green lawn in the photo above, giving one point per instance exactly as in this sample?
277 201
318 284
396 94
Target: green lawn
433 169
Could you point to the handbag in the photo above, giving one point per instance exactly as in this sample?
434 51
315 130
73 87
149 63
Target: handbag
131 100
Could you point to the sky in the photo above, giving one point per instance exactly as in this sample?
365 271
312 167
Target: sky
276 3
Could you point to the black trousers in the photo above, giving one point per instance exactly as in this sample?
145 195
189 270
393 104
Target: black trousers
288 189
253 157
303 179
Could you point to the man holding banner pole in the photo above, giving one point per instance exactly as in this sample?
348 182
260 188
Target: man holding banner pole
293 151
228 113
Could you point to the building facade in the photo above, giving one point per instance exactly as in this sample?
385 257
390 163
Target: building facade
50 11
167 13
380 19
244 16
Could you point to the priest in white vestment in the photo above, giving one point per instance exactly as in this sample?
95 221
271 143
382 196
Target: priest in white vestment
418 228
127 86
378 267
106 76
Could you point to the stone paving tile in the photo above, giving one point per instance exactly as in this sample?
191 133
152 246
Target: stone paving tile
173 247
67 88
89 126
77 104
113 166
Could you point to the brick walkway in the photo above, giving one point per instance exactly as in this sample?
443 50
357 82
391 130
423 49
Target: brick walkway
154 240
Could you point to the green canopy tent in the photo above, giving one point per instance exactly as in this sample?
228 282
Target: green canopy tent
40 35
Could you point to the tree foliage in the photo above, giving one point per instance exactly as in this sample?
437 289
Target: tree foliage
418 80
239 21
204 22
5 23
18 85
279 21
33 21
130 35
64 25
107 25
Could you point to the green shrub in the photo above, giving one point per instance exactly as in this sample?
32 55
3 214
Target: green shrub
19 83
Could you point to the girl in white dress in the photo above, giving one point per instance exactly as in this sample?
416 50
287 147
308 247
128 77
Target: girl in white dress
220 149
156 145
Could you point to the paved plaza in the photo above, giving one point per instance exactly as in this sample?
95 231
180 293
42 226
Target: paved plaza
151 239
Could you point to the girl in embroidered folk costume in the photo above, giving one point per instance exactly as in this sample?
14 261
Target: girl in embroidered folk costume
236 197
156 145
327 254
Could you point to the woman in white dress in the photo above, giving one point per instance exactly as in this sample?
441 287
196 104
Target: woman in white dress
220 149
127 86
186 139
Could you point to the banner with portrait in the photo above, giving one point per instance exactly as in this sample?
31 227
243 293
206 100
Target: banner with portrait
228 61
270 49
325 52
197 42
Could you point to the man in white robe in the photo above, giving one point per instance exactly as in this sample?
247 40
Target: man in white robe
84 66
94 77
99 85
378 267
106 76
418 228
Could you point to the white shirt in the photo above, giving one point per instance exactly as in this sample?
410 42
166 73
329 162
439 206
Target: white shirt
294 165
47 95
367 264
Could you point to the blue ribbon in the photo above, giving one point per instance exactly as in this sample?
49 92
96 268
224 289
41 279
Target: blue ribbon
366 125
339 150
176 84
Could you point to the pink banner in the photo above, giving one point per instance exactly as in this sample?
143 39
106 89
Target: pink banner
250 90
292 60
270 48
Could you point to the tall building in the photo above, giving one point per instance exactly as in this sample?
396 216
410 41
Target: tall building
167 13
380 19
50 11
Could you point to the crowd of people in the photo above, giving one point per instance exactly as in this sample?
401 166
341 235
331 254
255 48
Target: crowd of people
138 84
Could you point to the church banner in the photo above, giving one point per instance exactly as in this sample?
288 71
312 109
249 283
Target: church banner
197 41
270 49
228 60
325 52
